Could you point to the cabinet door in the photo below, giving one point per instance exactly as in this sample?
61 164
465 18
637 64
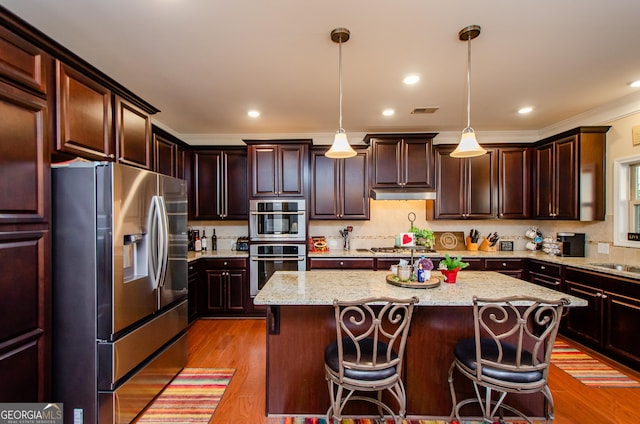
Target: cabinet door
236 282
566 184
24 157
206 186
263 170
400 161
24 316
387 162
165 156
585 324
325 188
450 201
354 191
193 283
23 63
514 182
235 199
481 186
544 183
418 163
291 168
622 326
84 115
216 298
133 135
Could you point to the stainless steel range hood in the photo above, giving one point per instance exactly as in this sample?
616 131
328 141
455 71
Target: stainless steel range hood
402 194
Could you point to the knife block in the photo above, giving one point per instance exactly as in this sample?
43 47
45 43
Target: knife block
485 247
471 246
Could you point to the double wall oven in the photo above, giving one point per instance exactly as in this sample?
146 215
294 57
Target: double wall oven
277 232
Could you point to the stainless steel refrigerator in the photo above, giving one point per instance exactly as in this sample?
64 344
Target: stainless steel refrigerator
119 288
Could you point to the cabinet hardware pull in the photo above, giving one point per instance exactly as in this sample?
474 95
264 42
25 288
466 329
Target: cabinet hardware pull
598 294
543 267
604 296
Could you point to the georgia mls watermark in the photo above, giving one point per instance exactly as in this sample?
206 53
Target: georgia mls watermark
31 413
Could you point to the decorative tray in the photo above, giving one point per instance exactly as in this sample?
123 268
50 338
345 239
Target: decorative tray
433 282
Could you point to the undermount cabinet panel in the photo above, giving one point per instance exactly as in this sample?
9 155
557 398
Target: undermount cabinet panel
84 115
339 187
401 160
466 188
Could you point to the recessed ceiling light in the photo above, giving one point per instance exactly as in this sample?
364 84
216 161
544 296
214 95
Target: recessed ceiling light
525 110
253 113
388 112
635 84
411 79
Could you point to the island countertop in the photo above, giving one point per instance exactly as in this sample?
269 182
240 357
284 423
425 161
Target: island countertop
321 287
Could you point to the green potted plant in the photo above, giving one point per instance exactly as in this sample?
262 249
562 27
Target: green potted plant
449 267
424 237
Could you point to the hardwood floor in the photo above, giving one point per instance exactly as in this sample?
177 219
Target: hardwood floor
241 344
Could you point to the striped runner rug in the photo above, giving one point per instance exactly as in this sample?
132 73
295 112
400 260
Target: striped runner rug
587 369
192 397
307 420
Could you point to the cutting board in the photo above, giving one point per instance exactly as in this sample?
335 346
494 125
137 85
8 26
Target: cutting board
449 240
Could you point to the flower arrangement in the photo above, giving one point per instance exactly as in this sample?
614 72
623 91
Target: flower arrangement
423 237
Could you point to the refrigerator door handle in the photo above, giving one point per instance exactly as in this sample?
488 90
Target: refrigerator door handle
156 250
163 240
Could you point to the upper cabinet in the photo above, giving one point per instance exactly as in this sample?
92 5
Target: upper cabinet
514 182
85 115
401 160
466 188
569 175
23 63
339 187
133 134
218 185
168 153
278 168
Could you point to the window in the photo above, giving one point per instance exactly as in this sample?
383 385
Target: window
626 202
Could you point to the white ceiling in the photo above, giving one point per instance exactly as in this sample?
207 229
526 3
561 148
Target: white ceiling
205 63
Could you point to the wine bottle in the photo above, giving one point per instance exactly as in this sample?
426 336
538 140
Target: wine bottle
214 241
204 240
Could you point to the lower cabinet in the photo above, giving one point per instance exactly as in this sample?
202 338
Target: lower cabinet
511 267
225 287
611 322
545 274
341 263
193 283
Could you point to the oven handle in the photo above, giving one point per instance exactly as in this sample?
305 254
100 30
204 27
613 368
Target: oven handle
277 213
277 258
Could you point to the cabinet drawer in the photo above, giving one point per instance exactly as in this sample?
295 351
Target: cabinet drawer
500 264
545 268
226 263
341 263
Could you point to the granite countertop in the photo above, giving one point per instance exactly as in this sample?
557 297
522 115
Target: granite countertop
582 263
321 287
220 253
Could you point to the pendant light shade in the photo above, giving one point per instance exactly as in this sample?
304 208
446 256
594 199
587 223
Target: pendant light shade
340 149
468 146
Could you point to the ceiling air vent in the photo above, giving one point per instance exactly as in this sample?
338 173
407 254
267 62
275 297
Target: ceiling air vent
422 110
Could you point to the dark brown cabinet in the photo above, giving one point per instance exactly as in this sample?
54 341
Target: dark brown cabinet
278 168
341 263
401 160
514 182
339 187
218 186
225 287
611 321
466 188
569 175
165 156
84 115
133 134
25 130
511 267
545 274
193 286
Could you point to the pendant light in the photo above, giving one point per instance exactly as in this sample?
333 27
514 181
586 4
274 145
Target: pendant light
340 149
468 146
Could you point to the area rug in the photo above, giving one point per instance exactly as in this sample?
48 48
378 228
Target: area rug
587 369
192 397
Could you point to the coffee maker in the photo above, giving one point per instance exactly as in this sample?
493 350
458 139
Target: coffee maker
573 244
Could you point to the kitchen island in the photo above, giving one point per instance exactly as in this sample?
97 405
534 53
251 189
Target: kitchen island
300 323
